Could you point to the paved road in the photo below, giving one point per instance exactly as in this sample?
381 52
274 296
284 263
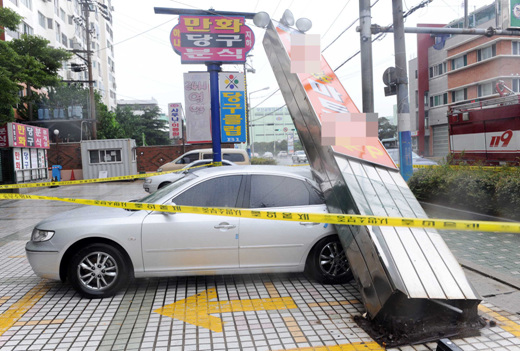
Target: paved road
36 314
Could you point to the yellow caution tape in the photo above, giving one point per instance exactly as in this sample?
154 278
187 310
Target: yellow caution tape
97 180
357 220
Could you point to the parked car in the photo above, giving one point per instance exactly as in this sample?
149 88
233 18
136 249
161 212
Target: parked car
98 249
238 156
299 157
268 155
282 154
151 184
416 159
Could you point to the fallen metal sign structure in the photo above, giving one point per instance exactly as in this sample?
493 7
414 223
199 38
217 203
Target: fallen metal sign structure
412 286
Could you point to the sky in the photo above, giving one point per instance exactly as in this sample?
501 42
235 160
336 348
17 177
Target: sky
147 67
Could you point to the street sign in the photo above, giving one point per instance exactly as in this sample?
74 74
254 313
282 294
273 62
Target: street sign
198 107
199 39
232 107
175 120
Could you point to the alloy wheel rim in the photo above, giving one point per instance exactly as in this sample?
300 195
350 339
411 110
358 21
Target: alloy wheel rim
333 261
97 271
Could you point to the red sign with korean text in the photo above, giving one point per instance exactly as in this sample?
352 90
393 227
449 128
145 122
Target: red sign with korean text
22 135
327 95
199 39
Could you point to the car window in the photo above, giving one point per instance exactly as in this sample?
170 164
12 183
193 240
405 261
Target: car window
189 158
163 192
216 192
279 191
234 157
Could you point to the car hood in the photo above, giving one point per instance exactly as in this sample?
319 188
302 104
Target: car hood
84 213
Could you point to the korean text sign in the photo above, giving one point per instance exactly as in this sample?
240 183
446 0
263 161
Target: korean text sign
198 107
22 135
199 39
232 107
175 120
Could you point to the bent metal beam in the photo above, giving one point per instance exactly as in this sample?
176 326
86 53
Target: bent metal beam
410 282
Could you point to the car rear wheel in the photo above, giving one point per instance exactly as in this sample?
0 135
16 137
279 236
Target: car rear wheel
97 271
327 262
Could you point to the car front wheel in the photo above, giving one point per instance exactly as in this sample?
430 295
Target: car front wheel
97 271
327 262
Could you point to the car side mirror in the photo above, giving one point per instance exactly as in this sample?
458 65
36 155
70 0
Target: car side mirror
168 213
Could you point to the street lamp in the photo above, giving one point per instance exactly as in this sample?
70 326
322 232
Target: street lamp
250 127
56 133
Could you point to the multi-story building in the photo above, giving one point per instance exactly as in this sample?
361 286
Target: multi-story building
457 69
270 124
63 24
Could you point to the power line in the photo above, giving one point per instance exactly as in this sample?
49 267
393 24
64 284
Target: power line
339 14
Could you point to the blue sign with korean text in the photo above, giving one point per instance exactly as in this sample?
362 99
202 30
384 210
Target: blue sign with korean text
232 107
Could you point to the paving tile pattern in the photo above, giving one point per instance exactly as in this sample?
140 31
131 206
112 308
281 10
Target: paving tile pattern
322 320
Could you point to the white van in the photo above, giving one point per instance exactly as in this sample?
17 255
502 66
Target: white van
238 156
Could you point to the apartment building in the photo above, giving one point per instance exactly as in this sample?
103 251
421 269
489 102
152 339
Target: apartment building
63 23
457 69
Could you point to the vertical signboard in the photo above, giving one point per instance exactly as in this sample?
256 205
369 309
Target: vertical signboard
175 120
290 143
514 14
199 39
198 107
232 107
3 136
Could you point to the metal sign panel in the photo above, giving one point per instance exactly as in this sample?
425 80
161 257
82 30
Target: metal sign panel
514 14
197 98
22 135
175 120
198 39
232 107
409 280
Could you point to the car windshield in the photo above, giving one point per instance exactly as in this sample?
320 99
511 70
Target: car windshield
394 154
161 193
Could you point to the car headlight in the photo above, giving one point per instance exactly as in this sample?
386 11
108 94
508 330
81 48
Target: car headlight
148 180
41 235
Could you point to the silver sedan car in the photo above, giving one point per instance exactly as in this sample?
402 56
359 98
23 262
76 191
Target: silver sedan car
151 184
99 249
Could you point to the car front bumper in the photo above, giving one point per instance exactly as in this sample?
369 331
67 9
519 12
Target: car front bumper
44 260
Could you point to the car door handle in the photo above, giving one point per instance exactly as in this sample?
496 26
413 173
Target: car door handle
308 224
224 226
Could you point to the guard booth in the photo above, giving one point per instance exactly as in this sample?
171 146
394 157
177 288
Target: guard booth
23 153
108 158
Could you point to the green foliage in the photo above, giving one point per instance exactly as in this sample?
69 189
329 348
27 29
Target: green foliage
386 129
9 19
263 161
474 189
148 124
107 125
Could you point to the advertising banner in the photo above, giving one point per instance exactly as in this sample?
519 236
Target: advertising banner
233 127
198 39
3 136
198 107
22 135
175 120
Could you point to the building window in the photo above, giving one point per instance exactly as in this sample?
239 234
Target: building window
516 85
104 156
15 2
58 32
459 95
426 99
485 53
516 48
27 3
486 89
62 14
438 100
437 70
27 29
50 23
459 62
64 39
42 20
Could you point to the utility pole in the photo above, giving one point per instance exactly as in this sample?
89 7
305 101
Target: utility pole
367 79
92 102
403 108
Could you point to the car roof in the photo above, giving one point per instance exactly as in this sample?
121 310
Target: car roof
209 149
291 171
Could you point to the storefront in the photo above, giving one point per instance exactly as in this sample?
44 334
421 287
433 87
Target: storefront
23 153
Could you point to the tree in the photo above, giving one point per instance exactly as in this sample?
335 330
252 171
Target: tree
143 127
39 64
386 129
9 66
